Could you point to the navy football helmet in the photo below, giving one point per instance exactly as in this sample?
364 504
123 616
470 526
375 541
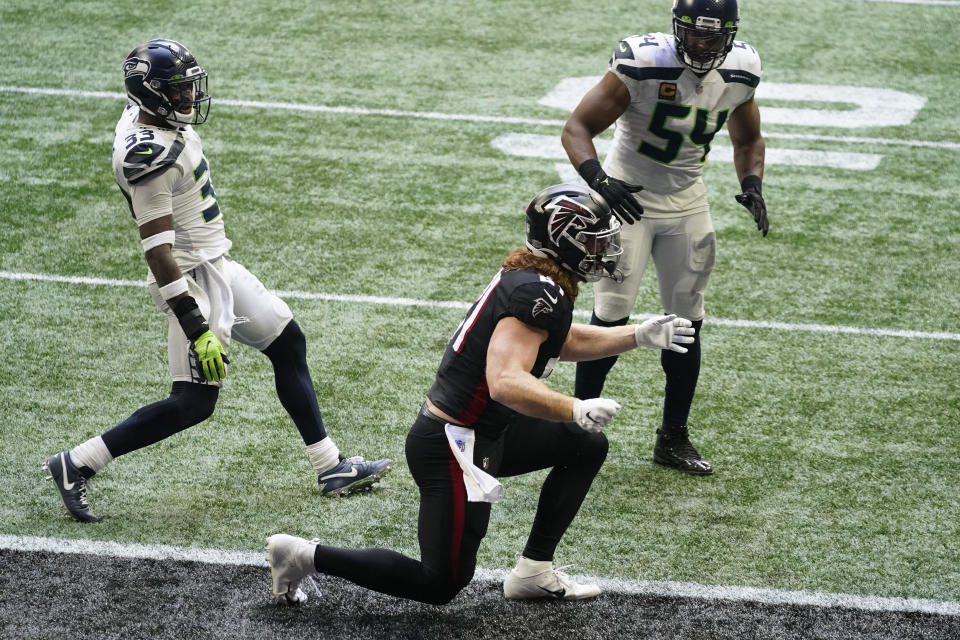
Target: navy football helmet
164 79
704 30
574 227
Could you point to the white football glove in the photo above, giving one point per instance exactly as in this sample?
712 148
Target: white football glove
594 414
665 332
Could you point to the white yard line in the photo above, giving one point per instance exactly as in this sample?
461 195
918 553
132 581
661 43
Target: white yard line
461 117
452 304
609 585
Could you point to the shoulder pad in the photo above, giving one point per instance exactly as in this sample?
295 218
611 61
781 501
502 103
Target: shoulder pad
645 57
538 303
146 158
742 65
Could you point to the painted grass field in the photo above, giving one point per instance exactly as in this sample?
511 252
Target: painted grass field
372 161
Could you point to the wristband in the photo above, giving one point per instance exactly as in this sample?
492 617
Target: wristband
157 239
173 289
191 320
752 183
590 169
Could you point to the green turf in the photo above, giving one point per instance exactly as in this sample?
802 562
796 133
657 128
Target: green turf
836 454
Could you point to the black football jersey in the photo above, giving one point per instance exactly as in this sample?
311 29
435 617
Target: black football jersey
460 389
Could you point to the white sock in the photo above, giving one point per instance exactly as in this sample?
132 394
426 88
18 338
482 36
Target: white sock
527 567
324 455
92 454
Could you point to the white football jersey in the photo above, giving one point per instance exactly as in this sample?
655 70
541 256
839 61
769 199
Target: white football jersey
164 172
662 140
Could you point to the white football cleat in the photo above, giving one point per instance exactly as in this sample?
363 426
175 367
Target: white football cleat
291 560
540 580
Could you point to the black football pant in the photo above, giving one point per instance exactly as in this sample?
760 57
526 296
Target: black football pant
451 528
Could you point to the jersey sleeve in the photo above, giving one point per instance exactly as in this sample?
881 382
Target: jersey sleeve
152 197
147 158
539 305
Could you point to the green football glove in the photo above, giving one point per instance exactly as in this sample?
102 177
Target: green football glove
212 356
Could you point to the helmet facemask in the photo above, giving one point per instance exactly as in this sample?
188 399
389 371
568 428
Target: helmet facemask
703 43
601 252
185 101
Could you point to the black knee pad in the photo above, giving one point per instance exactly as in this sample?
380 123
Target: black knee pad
592 448
291 343
440 587
584 448
194 402
445 593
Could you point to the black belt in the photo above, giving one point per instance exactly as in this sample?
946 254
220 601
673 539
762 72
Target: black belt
430 415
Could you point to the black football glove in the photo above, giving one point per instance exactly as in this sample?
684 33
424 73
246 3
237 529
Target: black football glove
615 192
752 199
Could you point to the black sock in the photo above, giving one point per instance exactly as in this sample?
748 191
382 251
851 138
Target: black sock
592 374
288 354
683 370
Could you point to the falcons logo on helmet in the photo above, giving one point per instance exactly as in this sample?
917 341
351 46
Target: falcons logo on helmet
566 218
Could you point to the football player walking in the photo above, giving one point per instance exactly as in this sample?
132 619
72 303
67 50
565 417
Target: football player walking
209 299
488 415
669 95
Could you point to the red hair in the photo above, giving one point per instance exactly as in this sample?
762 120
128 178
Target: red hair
523 258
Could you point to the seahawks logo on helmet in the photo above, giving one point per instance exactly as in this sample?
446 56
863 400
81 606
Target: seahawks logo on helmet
135 67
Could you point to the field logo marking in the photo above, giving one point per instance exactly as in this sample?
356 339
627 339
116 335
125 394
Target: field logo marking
874 107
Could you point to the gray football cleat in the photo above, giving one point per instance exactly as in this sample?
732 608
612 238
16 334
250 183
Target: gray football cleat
352 475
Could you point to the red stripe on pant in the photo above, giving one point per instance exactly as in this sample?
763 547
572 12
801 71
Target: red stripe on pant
459 516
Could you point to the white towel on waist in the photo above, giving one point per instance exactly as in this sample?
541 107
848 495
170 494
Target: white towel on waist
481 486
219 297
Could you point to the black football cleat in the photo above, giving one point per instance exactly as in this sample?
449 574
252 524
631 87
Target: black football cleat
72 484
673 449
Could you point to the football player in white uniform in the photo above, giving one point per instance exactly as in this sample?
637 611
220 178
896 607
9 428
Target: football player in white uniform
209 299
669 95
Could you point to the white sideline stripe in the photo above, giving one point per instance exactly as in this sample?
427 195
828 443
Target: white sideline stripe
945 3
462 117
451 304
611 585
